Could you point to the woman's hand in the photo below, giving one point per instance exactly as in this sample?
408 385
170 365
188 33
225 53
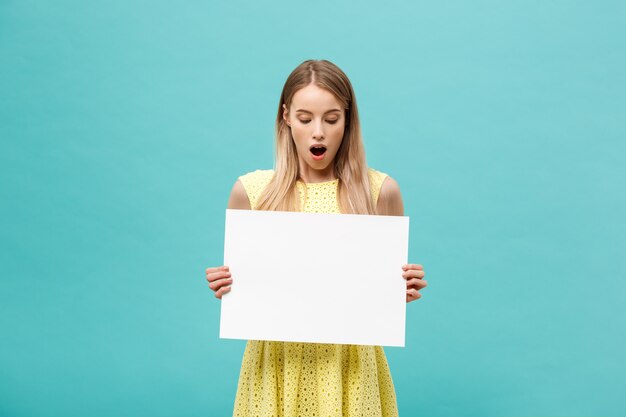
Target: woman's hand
219 280
414 275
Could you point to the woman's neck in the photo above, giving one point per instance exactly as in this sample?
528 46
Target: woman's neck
311 175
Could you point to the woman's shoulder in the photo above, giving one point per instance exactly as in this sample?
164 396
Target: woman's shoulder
254 182
257 175
386 193
375 174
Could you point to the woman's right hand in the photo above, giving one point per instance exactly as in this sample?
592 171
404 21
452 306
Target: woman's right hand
219 280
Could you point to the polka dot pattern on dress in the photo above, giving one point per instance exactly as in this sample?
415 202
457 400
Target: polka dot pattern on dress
295 379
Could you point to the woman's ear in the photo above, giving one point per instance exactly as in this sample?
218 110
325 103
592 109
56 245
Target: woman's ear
285 112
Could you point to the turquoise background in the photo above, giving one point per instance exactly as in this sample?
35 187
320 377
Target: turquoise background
124 125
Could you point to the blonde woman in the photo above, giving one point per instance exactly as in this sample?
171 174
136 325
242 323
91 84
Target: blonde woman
320 167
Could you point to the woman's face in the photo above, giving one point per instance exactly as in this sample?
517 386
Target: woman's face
317 121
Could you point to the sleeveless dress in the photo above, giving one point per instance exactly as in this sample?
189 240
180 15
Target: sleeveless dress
293 379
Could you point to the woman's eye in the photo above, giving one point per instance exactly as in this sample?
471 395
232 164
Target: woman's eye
332 122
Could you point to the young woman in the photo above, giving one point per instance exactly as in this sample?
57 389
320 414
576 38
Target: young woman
320 167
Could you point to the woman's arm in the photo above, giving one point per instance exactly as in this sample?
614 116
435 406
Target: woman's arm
219 277
390 204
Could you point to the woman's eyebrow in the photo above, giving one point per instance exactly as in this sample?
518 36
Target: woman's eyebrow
306 111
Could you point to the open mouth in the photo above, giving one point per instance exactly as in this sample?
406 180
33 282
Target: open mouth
318 150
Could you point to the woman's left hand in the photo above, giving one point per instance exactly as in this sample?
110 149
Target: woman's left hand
414 275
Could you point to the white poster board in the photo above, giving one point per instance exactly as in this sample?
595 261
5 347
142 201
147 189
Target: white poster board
315 277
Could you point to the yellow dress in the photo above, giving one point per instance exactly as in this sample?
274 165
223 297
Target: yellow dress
293 379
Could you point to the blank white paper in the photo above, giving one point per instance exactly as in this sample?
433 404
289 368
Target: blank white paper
315 277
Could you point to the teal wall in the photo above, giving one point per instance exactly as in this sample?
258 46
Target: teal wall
124 125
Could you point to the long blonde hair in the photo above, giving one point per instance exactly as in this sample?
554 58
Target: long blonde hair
350 166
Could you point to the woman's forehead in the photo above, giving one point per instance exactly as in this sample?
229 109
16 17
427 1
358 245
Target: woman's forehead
313 99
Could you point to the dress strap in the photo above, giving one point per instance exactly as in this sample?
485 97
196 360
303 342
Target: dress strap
376 182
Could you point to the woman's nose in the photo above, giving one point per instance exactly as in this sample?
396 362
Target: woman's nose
318 132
